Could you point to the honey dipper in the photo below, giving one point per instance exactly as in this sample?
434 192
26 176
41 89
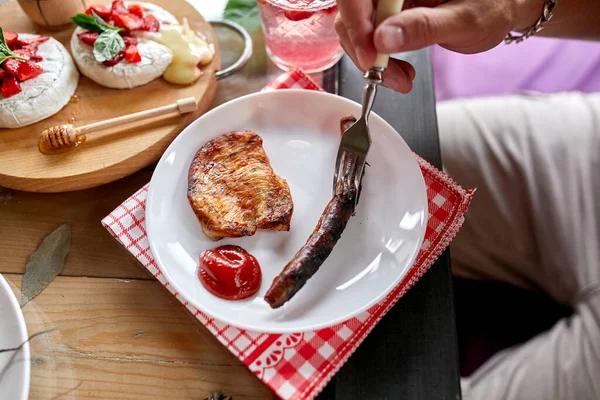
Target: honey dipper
65 137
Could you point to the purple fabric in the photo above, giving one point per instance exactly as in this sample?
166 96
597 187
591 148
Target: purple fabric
538 64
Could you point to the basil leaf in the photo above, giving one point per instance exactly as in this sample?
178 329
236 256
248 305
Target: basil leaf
2 39
103 25
232 4
86 22
93 23
108 45
5 51
244 12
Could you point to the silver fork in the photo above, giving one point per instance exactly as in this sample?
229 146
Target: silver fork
356 141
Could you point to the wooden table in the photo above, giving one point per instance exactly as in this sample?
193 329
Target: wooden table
120 335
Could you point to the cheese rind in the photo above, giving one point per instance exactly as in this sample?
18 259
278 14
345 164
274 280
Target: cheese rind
155 58
47 93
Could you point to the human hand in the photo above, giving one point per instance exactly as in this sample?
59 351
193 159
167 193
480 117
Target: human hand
464 26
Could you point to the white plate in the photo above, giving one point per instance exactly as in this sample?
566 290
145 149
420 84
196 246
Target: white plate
300 131
14 383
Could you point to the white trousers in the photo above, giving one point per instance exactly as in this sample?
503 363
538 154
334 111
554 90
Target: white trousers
534 222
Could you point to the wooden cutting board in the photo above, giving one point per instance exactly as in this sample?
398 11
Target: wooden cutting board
110 155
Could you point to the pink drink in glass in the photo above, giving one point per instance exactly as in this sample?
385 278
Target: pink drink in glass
300 33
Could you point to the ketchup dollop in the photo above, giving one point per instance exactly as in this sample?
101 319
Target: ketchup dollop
229 272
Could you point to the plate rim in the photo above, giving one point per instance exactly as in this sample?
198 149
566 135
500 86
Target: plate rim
4 286
310 327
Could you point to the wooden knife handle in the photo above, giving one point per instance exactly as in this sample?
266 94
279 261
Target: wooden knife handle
385 9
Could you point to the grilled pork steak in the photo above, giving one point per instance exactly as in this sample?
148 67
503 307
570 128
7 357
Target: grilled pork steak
319 245
233 189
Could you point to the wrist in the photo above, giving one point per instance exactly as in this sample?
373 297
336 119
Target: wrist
527 13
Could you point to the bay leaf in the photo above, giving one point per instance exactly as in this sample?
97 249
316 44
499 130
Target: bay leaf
46 262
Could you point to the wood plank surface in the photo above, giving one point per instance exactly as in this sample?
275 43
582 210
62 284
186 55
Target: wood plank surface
27 217
416 340
121 339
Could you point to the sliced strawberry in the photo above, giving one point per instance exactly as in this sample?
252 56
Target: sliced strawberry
100 9
36 40
129 21
124 31
115 60
11 37
28 70
136 9
23 53
151 24
297 15
119 7
130 40
132 55
10 86
27 53
88 37
11 66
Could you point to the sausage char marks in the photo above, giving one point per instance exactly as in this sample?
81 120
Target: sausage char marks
321 242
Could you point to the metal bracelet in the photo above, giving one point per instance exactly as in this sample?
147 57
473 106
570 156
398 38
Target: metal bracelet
549 6
246 54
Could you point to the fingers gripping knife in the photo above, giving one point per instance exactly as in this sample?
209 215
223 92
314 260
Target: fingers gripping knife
356 140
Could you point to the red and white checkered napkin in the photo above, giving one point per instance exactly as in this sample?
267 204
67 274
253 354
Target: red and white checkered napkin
299 365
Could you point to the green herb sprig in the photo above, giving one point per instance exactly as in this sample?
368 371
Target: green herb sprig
5 51
109 42
244 12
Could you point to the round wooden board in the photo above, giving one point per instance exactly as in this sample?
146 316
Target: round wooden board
110 155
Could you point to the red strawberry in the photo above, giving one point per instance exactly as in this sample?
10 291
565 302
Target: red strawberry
115 60
10 37
34 41
88 37
130 40
11 66
132 55
28 54
10 86
3 74
129 21
28 70
100 9
151 24
297 15
136 9
119 7
124 32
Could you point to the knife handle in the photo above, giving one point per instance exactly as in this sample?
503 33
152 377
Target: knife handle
385 9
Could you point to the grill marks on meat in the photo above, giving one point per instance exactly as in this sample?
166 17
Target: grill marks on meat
234 191
321 242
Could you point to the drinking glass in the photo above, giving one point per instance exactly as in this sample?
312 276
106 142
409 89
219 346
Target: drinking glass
300 33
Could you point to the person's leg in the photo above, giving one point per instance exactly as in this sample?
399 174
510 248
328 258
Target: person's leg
534 222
